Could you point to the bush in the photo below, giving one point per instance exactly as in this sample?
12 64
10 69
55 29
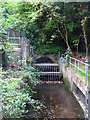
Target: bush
16 90
49 49
5 59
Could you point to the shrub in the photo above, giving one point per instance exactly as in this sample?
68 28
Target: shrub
49 49
16 90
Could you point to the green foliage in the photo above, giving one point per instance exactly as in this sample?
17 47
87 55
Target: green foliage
6 49
49 49
5 58
29 60
76 42
45 23
16 91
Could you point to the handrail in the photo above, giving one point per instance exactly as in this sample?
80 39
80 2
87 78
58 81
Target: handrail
79 61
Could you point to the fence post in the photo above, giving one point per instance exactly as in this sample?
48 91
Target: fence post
25 53
22 49
78 66
86 108
89 102
59 63
75 65
19 41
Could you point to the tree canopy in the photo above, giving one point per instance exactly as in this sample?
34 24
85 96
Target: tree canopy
56 23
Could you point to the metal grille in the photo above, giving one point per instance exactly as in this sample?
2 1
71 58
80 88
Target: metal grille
48 72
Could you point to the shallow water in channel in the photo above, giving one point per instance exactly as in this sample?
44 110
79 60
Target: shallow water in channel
59 101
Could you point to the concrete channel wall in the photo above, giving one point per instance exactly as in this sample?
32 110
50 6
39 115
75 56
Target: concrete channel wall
77 87
73 78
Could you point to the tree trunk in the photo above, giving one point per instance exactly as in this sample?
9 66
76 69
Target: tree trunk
86 52
77 51
85 38
68 46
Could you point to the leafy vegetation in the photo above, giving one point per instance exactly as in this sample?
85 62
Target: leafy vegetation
16 90
49 49
43 24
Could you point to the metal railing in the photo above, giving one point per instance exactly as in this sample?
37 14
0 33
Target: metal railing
82 70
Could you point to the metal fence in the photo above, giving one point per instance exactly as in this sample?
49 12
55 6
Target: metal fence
82 71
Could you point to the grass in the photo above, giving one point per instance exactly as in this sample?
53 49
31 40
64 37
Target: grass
82 74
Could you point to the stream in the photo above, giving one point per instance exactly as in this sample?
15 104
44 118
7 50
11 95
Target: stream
59 102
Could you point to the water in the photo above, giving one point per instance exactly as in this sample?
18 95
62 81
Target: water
59 101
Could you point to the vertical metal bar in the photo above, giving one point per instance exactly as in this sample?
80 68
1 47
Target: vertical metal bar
78 66
89 102
50 74
75 65
57 77
56 68
22 49
25 53
59 68
44 77
50 77
19 40
14 36
86 73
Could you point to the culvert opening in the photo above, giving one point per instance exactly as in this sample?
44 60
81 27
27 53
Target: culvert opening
47 70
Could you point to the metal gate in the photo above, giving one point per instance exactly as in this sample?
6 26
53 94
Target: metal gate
49 72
